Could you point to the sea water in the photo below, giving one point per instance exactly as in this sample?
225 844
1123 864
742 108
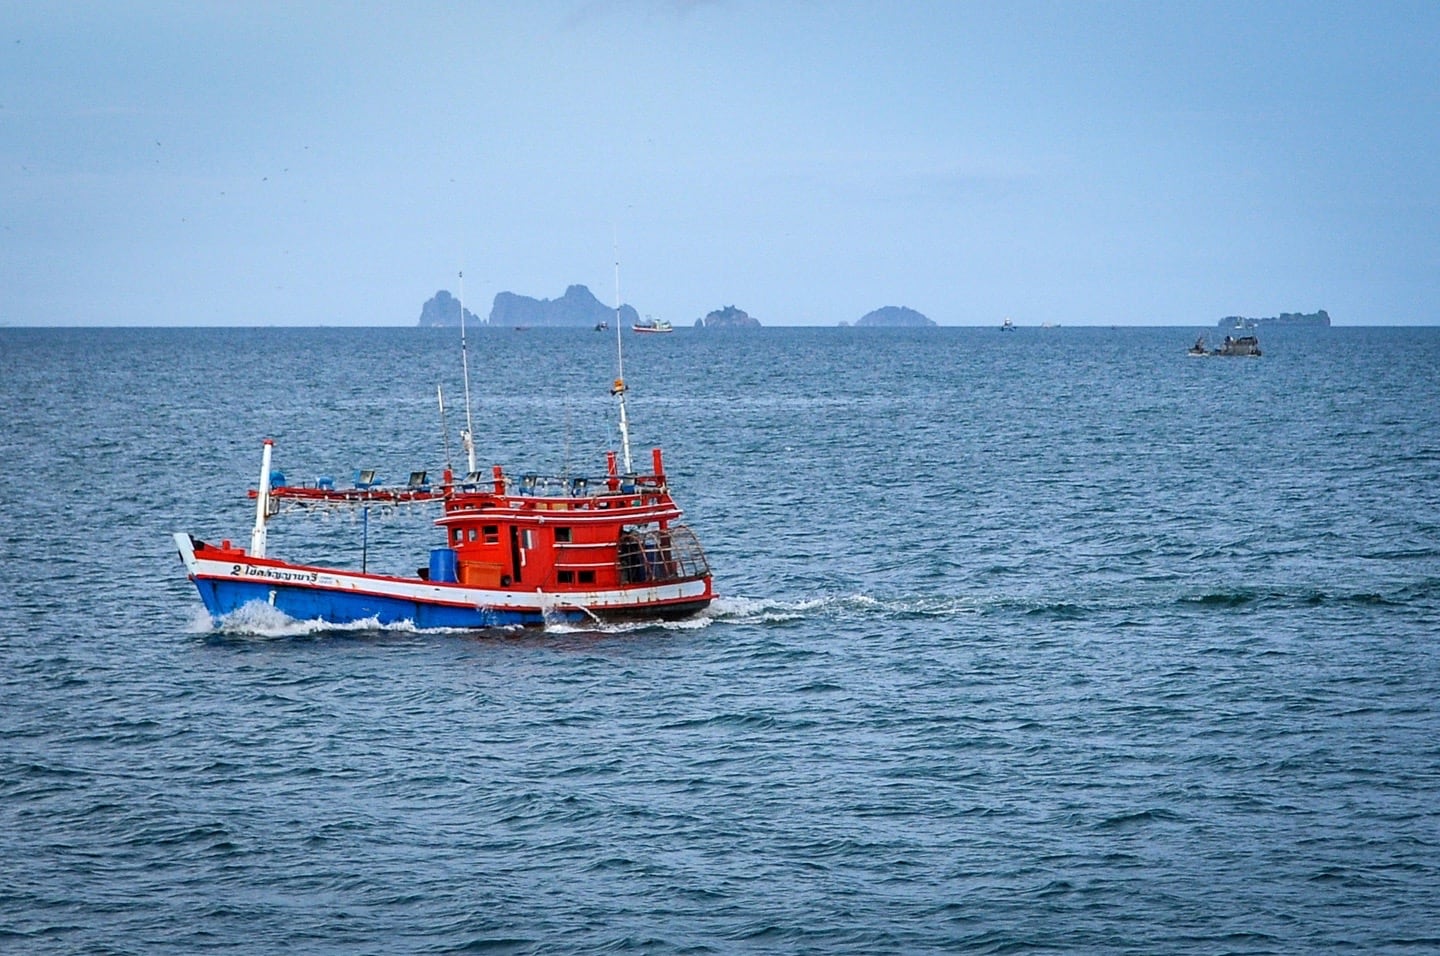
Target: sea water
1054 640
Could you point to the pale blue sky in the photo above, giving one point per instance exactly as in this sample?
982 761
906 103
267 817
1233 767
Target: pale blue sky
195 163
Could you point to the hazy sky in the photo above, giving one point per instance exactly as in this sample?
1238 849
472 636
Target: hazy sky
1147 163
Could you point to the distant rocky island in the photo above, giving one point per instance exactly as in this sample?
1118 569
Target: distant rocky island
727 318
893 316
444 309
1319 319
577 307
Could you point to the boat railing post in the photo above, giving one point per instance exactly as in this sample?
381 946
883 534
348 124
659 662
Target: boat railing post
262 502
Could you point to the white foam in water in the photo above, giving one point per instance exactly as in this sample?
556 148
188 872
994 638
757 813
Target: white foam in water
734 609
772 610
200 622
258 619
723 610
742 610
558 626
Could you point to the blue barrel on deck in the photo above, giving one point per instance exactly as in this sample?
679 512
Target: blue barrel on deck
442 565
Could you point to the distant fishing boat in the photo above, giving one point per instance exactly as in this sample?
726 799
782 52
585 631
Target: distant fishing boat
1007 325
1243 346
513 549
650 324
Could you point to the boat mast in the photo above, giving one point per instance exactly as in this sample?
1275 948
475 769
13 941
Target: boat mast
467 436
262 503
444 428
619 389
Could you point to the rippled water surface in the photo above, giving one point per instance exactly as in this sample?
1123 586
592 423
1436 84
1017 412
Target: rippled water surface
1050 641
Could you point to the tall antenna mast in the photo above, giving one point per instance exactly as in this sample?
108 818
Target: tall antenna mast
620 389
444 428
467 436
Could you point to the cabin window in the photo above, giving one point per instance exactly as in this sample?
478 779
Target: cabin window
587 577
492 534
562 535
565 577
472 534
459 536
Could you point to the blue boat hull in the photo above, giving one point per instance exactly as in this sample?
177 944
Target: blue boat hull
310 604
229 580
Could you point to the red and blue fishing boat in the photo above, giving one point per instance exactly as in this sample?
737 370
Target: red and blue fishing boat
511 550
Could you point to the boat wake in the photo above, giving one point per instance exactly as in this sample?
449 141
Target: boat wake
1062 605
695 623
743 610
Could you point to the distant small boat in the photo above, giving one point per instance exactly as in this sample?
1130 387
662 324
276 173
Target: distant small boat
1007 325
650 324
1243 346
602 326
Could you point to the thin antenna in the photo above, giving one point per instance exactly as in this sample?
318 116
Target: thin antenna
619 389
444 428
467 437
565 454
